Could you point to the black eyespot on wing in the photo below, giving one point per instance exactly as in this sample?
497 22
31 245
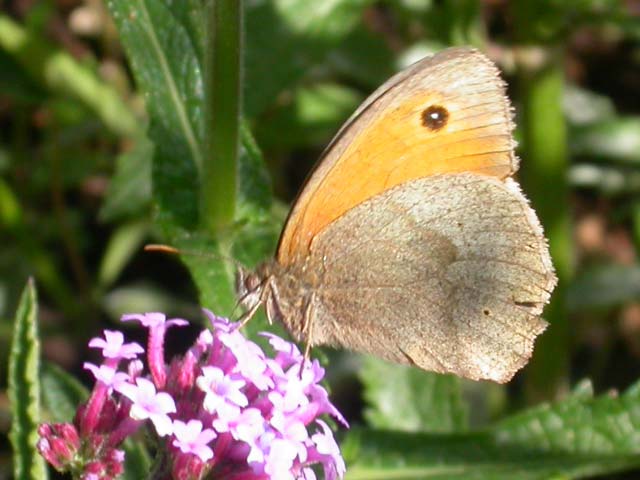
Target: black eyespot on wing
434 117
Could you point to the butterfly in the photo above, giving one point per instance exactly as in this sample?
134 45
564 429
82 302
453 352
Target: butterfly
410 240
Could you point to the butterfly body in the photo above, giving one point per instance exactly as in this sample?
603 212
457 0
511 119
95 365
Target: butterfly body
410 240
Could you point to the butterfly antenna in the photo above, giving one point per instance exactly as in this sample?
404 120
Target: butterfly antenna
161 248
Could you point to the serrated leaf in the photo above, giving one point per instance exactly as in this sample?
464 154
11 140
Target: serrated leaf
164 53
164 41
575 438
191 15
405 398
169 73
24 389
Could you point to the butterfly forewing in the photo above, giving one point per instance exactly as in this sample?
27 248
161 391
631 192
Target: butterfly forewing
390 140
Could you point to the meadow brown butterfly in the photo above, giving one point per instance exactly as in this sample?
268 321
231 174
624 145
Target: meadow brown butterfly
410 240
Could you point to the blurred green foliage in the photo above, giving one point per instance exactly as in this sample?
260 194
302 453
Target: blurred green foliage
105 139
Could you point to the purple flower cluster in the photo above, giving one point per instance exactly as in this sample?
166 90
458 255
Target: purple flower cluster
223 410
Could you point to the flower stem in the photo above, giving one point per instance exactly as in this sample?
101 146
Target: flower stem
223 84
544 177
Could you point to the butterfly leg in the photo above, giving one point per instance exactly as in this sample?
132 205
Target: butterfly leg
248 315
272 290
307 331
266 289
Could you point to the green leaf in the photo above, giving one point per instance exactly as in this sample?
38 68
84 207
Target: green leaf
163 45
314 114
611 180
190 14
59 72
585 107
212 272
124 243
143 296
24 389
163 50
256 241
456 22
364 57
61 393
168 72
409 399
604 286
254 191
137 463
616 139
213 266
129 191
16 83
635 218
287 37
578 437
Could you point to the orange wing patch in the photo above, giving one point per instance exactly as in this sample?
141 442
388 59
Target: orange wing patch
411 131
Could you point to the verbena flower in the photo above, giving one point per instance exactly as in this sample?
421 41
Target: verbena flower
223 410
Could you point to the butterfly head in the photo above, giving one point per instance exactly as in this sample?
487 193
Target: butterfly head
250 288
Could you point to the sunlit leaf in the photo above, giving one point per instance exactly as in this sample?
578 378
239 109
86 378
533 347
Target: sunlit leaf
406 398
578 437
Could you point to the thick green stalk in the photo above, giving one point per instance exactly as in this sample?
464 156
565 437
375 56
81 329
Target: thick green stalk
223 84
544 175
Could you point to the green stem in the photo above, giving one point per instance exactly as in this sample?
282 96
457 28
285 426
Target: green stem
223 70
544 175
